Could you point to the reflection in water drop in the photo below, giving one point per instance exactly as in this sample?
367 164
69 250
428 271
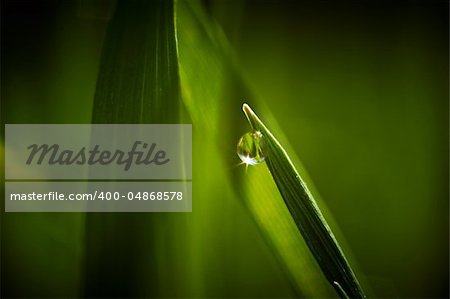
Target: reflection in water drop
250 148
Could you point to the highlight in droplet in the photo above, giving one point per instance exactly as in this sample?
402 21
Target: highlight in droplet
250 148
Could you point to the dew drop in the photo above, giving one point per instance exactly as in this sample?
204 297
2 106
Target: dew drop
250 148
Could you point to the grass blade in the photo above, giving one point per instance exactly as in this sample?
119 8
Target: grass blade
307 215
137 83
138 78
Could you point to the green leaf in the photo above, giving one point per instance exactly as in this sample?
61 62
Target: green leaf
306 214
138 78
138 82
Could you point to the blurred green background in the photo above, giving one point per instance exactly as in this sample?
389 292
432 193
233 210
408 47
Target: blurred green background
359 90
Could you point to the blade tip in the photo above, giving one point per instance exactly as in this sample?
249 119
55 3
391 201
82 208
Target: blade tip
246 108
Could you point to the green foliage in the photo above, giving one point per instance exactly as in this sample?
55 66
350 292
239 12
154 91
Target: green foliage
306 214
138 77
368 121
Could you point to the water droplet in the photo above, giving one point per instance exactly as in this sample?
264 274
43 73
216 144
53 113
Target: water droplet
250 148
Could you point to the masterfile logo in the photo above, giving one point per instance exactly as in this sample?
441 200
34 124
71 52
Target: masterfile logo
98 168
148 151
140 153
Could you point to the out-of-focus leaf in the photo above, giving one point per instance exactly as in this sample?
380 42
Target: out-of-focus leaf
138 82
138 77
210 80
